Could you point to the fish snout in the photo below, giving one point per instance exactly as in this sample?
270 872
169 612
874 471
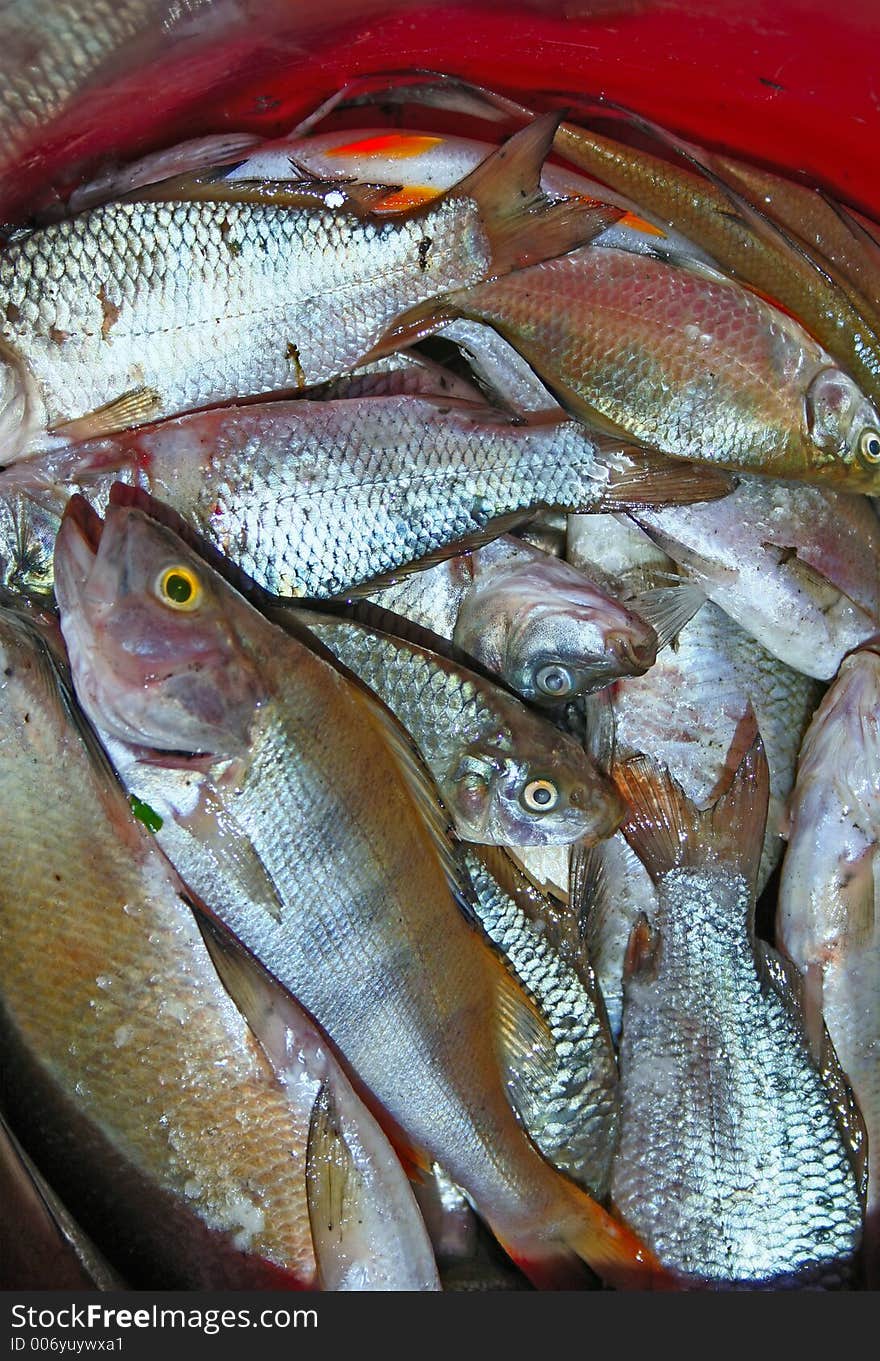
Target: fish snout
633 656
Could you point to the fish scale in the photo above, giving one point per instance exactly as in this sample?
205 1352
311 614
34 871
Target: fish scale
197 302
711 1063
683 360
572 1114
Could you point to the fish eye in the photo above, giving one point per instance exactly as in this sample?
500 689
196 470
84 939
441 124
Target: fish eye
180 588
869 446
555 681
540 796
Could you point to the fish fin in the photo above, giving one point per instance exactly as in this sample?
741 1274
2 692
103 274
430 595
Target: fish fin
589 895
302 191
864 238
599 734
525 1044
199 154
136 407
667 831
432 89
801 995
423 790
647 478
334 1186
668 608
524 225
594 1235
243 977
642 957
234 853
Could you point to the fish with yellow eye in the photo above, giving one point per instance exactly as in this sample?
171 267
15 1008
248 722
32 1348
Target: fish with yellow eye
179 587
507 775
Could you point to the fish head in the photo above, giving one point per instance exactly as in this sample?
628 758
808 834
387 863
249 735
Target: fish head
552 634
155 637
844 427
521 789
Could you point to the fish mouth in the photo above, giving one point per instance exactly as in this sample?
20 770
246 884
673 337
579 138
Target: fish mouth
86 521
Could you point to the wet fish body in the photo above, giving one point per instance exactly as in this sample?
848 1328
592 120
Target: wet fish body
827 921
569 1108
686 361
795 566
135 311
315 498
364 883
547 629
507 775
731 1160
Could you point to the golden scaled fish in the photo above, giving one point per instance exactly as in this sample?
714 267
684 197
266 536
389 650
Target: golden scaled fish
677 357
210 291
307 821
140 1087
754 226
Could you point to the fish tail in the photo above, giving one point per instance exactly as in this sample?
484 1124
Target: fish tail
585 1233
667 831
523 224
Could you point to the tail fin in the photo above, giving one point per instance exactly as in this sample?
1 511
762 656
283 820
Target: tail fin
667 831
585 1233
523 225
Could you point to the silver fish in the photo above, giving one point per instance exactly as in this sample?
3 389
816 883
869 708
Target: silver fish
216 291
732 1160
827 920
795 566
349 882
544 627
316 498
507 775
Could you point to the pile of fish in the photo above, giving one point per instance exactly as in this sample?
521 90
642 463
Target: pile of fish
440 730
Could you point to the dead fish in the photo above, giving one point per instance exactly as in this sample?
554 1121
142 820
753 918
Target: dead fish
706 205
827 921
732 1160
215 291
506 774
678 357
795 566
366 1228
364 890
124 1059
545 628
319 498
569 1107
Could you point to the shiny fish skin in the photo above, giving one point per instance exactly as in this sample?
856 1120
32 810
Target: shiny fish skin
827 920
684 361
686 710
797 567
518 611
362 880
730 1162
202 302
138 1067
314 498
484 748
571 1113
